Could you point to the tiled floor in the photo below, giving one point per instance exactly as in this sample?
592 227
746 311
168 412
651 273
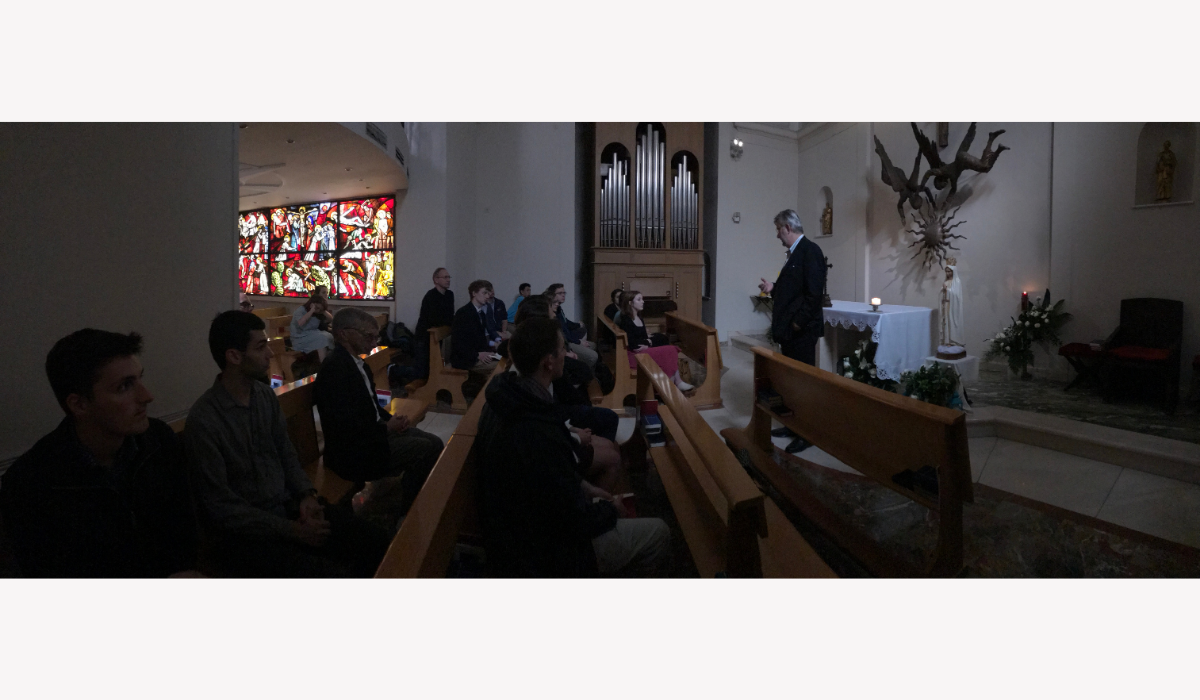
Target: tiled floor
1137 500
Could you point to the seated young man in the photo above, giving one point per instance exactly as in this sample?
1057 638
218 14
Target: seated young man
538 516
254 498
471 346
575 333
363 442
106 493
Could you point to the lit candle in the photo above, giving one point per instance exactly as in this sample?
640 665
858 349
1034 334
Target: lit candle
1024 301
875 301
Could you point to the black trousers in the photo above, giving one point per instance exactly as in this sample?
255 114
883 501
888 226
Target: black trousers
354 549
801 349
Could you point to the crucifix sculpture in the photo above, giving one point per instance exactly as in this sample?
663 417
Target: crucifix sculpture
825 300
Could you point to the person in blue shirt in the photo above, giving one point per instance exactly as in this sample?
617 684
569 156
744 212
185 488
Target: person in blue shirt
523 293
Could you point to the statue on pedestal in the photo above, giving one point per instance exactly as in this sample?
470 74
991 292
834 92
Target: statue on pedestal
952 335
1164 174
827 221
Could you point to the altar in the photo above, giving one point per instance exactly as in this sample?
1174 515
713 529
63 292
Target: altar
905 335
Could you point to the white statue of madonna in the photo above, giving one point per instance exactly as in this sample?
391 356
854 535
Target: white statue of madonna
952 335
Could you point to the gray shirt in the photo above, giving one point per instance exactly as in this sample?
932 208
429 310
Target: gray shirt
243 463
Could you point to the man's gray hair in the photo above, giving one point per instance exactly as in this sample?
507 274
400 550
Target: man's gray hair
789 218
351 317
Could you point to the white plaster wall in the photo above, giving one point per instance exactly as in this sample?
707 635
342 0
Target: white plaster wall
525 208
421 223
838 160
121 227
759 185
1104 250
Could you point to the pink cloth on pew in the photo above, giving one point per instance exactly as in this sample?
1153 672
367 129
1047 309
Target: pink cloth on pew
667 357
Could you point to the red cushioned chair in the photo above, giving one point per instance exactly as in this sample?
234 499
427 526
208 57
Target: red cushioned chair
1147 342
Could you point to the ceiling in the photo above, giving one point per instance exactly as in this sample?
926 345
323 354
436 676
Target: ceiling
285 163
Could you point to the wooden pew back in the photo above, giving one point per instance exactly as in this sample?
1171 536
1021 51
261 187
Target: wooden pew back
270 312
875 432
442 377
729 526
701 343
625 383
444 509
279 326
296 402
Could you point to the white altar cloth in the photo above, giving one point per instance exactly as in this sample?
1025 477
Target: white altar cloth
904 333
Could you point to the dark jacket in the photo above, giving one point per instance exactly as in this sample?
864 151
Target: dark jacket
468 337
796 310
572 331
437 309
68 516
356 442
535 517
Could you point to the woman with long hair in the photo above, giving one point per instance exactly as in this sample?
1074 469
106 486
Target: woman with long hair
306 323
641 343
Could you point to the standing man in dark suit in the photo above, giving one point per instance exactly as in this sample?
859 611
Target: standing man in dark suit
363 442
797 319
437 309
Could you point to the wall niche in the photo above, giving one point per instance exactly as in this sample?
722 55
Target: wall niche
1153 136
824 212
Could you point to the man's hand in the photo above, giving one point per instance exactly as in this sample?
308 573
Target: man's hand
398 423
585 435
591 491
641 348
766 286
572 355
310 509
620 506
485 356
313 533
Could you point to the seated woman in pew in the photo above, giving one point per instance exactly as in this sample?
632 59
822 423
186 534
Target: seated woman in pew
306 324
656 346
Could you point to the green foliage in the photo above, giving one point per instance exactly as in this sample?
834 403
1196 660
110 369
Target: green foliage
860 366
936 385
1040 325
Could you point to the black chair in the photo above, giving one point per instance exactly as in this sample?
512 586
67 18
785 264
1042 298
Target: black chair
1147 342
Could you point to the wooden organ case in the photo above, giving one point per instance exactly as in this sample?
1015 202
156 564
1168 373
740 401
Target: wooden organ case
648 203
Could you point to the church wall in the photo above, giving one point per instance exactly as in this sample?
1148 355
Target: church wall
1104 249
759 185
121 227
421 218
524 223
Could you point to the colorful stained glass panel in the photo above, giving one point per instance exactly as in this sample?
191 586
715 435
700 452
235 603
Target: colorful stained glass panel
366 275
297 275
252 232
252 274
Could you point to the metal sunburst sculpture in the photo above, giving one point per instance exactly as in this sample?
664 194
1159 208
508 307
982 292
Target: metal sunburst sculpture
933 218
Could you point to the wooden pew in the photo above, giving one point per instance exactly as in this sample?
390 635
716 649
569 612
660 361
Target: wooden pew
626 379
377 362
699 342
445 510
270 312
282 359
731 529
875 432
279 326
441 376
381 320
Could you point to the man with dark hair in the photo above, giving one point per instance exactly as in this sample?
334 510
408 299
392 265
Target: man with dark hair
797 318
523 293
471 346
575 333
539 517
437 309
363 442
254 497
106 493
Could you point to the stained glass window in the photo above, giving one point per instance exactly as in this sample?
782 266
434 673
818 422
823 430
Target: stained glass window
347 246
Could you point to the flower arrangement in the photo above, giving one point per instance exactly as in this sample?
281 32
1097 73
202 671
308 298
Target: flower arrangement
937 385
1039 325
860 366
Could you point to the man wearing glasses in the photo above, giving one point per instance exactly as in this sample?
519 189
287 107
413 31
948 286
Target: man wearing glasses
363 442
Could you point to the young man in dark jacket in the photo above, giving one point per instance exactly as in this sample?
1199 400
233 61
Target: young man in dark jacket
106 493
540 518
363 442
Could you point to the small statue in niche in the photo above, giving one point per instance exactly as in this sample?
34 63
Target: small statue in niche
827 221
1164 174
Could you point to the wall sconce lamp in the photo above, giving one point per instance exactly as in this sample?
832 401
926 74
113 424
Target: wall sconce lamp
735 149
